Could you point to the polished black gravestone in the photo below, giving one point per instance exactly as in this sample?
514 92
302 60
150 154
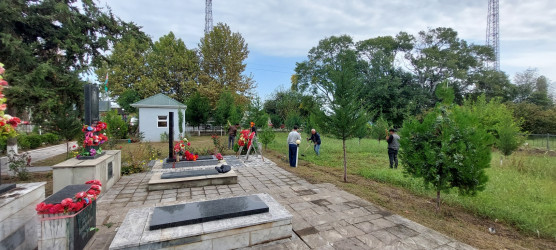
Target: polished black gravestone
67 192
184 164
204 211
206 157
190 173
7 187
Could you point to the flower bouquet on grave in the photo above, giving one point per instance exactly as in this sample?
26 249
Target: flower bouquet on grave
180 148
72 205
94 138
219 156
7 123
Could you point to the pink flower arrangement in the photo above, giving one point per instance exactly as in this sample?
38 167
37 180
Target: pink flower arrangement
75 204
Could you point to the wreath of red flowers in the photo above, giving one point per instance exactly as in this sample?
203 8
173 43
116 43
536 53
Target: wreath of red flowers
75 204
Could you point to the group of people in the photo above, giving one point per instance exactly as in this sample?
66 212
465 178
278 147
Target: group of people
294 139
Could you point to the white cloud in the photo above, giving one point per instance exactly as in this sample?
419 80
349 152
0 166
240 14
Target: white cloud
289 28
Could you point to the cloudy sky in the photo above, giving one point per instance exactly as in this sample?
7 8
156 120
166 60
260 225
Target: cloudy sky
280 33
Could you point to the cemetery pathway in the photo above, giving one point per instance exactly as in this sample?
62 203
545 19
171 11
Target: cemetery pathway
41 154
324 217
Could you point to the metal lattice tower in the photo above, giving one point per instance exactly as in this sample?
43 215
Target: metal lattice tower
493 32
208 16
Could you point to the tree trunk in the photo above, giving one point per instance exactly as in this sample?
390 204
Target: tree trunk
437 201
345 162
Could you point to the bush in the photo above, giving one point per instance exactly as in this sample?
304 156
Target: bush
293 119
266 136
164 137
23 141
116 126
18 164
137 159
50 138
35 141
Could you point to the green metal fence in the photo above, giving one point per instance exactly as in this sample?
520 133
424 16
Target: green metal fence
542 141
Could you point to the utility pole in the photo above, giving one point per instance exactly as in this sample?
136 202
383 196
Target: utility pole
208 16
493 32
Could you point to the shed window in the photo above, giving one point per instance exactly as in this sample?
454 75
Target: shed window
162 121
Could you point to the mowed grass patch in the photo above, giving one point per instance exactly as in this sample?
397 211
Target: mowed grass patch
520 192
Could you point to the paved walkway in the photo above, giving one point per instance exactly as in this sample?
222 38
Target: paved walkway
42 154
324 217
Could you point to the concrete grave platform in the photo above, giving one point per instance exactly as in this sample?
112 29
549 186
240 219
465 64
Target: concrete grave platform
238 232
161 181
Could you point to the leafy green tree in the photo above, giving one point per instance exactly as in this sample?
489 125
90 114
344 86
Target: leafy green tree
536 119
66 124
48 44
180 121
493 84
256 114
173 69
226 109
498 120
293 119
266 136
198 110
379 128
333 73
223 54
127 98
447 149
438 55
115 125
276 120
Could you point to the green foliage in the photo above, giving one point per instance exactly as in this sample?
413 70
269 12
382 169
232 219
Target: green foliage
222 62
35 141
48 44
379 129
266 136
497 120
518 192
66 124
227 110
256 114
198 110
276 120
50 138
180 121
18 164
136 159
447 149
293 119
23 141
219 147
536 120
127 98
116 126
335 77
164 137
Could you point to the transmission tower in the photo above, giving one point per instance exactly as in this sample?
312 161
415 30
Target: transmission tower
208 16
493 32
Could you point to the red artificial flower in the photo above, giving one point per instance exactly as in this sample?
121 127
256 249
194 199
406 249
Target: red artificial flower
58 208
3 107
74 146
66 202
14 121
80 195
75 207
3 82
189 144
2 123
94 182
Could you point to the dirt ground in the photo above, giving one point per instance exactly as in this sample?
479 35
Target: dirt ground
453 221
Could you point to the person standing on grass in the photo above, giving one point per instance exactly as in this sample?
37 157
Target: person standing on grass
315 138
293 137
232 132
393 140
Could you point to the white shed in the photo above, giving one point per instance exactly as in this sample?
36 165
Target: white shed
153 116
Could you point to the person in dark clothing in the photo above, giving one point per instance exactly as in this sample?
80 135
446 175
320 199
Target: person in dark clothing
232 132
315 138
393 140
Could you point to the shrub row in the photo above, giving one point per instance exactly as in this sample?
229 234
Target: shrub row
32 141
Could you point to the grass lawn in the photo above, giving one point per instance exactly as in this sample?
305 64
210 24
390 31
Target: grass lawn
521 192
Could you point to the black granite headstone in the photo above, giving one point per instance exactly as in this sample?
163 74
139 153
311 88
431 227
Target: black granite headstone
171 137
67 192
183 164
204 211
84 222
190 173
206 157
91 103
6 187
